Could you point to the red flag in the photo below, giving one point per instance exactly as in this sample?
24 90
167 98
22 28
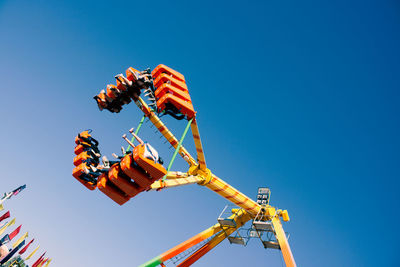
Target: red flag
26 247
5 216
38 261
15 232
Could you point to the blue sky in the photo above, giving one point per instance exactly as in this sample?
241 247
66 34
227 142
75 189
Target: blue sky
302 97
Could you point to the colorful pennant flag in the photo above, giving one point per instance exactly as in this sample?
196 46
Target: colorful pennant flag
5 239
1 207
20 240
12 193
43 262
9 255
19 189
33 252
7 225
36 263
22 251
15 232
48 262
6 196
5 216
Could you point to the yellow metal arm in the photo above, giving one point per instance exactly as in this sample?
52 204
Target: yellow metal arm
160 184
283 243
199 147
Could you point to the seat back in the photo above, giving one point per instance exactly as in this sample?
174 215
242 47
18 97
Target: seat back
111 190
122 181
154 169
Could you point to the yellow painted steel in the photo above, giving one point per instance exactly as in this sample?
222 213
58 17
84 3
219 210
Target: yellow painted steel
232 194
176 175
204 177
160 184
164 131
285 215
283 243
199 147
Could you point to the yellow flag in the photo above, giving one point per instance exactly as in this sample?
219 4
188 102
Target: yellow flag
40 264
7 225
47 263
1 207
33 252
20 240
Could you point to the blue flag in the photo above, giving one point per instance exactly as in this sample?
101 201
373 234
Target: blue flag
5 239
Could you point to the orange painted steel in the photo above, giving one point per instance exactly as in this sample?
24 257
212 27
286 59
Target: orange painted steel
241 219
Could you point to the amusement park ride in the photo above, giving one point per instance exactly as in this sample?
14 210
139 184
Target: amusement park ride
140 168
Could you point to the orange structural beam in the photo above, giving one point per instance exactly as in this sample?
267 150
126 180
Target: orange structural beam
242 218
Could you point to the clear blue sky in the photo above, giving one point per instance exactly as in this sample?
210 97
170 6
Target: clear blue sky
299 96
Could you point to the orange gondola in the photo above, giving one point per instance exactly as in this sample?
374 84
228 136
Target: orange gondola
170 89
122 181
111 190
184 107
78 172
165 78
155 169
135 172
164 69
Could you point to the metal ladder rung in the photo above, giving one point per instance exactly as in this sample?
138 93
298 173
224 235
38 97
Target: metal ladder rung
227 222
261 225
237 240
271 244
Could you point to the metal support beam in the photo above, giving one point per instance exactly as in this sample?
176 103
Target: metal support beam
283 242
177 148
233 195
199 147
164 131
136 132
242 218
161 184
